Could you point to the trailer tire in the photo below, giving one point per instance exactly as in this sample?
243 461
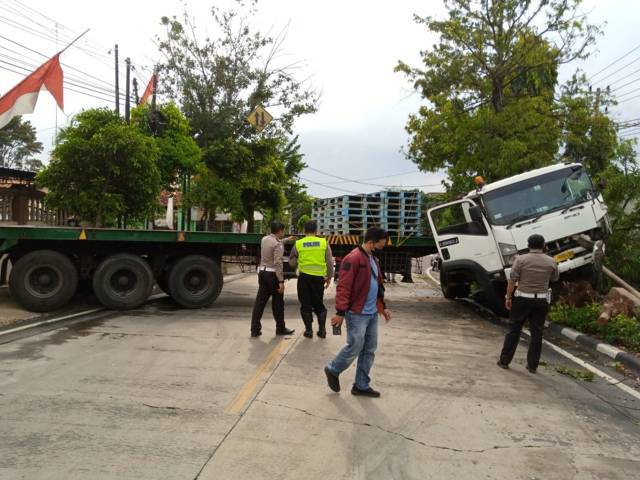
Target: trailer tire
122 281
43 280
195 281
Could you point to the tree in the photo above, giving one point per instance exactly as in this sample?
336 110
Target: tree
179 154
102 169
211 193
589 135
218 81
18 145
489 83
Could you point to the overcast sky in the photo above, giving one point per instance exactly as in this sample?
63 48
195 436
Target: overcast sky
349 47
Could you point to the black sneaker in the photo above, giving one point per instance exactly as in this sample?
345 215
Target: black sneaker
532 370
322 333
369 392
256 334
332 380
285 331
308 333
502 365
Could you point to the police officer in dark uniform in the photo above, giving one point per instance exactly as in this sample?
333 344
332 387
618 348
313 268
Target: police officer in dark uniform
531 273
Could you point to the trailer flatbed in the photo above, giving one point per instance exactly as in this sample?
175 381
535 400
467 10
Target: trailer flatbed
121 266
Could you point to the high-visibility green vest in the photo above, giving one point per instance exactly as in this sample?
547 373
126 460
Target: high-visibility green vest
311 256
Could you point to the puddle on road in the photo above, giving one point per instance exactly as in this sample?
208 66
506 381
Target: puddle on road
32 348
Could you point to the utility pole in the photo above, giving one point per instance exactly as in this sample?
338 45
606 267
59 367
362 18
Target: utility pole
127 100
117 82
154 78
135 91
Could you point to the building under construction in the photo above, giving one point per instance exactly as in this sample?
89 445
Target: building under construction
398 212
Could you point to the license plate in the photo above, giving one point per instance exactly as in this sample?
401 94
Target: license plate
561 257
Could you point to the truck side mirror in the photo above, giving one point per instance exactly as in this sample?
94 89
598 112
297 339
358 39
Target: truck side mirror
475 213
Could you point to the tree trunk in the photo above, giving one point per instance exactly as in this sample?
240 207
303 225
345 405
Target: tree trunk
497 95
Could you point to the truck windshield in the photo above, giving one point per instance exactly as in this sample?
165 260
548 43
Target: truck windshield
539 195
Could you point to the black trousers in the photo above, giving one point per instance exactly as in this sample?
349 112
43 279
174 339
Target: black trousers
535 311
311 294
268 288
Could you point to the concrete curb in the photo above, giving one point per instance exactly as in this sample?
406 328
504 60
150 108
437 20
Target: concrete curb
629 360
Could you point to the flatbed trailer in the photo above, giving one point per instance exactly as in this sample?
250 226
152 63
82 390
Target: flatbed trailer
49 264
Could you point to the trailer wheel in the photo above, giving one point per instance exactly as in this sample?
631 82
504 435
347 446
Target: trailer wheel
43 280
195 281
122 281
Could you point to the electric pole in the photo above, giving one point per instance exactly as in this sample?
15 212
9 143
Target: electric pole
117 83
135 91
127 99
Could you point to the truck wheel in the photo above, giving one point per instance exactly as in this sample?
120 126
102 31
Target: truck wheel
457 290
195 281
122 281
43 280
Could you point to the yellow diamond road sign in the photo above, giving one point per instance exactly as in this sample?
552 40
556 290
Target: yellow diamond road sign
259 118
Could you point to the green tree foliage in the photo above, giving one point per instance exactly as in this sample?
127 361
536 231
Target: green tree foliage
590 137
218 81
489 83
211 193
102 169
179 153
18 145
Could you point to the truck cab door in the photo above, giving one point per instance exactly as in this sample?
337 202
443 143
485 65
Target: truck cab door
462 233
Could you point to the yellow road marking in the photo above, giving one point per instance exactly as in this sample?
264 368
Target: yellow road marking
247 390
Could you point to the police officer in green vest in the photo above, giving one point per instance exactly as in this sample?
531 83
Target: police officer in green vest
314 260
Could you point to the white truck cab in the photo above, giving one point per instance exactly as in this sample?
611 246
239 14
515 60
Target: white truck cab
479 236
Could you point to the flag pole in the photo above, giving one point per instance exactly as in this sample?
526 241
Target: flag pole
75 40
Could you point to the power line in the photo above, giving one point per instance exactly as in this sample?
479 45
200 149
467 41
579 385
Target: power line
329 186
67 76
66 88
370 184
26 12
68 79
624 77
63 64
627 93
635 80
384 176
618 70
628 99
614 62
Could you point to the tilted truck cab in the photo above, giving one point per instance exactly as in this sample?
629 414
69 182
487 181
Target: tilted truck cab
479 236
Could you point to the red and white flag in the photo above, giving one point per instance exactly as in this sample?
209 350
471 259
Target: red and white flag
22 98
148 92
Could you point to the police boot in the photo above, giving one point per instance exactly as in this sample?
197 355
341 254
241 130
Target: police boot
307 318
322 322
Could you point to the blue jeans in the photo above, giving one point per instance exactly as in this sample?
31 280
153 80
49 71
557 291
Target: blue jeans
362 341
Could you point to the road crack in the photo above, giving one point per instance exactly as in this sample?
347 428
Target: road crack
402 435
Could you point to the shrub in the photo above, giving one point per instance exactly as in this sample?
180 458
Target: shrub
621 329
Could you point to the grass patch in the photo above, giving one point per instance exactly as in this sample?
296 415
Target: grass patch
576 374
620 330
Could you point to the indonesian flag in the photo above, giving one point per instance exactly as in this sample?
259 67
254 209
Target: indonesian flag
23 97
148 92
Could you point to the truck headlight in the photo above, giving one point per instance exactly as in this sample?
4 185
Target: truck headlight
508 251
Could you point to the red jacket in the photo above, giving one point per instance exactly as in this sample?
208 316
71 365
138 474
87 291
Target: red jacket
354 282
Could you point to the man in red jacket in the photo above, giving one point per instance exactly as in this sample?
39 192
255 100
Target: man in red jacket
359 298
